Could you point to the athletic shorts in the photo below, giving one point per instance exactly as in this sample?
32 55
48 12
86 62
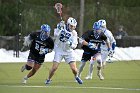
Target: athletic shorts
36 58
68 57
104 55
87 56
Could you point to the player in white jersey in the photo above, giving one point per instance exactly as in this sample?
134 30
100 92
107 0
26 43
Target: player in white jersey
112 41
65 41
104 50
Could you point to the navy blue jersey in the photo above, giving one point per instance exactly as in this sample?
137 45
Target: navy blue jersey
90 36
37 43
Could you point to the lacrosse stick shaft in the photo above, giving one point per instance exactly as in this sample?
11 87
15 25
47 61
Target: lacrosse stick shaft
22 48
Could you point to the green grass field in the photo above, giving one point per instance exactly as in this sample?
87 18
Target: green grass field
120 77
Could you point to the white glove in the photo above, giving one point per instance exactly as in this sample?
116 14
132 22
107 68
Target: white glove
69 43
92 46
44 51
61 25
27 41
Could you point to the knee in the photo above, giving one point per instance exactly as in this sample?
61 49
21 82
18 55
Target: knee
28 67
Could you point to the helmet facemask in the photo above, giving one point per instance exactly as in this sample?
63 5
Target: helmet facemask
71 27
71 24
45 32
44 35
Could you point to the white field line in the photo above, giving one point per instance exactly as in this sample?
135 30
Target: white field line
107 88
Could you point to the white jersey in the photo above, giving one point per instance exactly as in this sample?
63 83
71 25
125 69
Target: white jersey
61 38
110 38
104 48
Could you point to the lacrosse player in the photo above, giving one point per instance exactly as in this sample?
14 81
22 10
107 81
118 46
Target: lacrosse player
104 52
65 41
91 42
104 49
40 44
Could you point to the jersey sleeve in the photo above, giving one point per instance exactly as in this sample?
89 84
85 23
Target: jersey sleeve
74 40
56 32
111 37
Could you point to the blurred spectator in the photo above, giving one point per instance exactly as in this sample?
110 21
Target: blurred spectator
120 33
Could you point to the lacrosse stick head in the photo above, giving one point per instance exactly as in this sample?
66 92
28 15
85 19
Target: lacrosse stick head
58 7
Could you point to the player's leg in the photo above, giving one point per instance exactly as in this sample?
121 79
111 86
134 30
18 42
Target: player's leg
99 66
73 68
104 55
29 64
75 71
84 59
81 67
51 72
57 59
32 72
38 60
71 60
91 65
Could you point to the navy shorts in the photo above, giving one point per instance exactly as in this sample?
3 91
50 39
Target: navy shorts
39 59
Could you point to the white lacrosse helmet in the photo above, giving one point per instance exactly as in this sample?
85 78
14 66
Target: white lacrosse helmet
72 21
102 23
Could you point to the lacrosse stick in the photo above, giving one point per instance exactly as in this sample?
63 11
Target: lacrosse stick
58 7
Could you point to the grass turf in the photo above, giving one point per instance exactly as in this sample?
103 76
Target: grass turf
120 77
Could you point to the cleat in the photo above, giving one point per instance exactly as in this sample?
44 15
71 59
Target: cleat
88 77
23 68
24 81
48 81
100 76
79 80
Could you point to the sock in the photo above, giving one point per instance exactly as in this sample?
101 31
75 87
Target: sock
26 78
82 65
90 69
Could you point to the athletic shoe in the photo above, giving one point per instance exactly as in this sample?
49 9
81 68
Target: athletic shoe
88 77
100 76
24 81
23 68
48 81
79 80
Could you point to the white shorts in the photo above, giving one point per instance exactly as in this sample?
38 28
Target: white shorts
104 55
68 56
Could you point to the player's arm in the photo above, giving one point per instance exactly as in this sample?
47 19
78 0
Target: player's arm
60 27
48 48
72 42
83 41
104 37
112 41
108 44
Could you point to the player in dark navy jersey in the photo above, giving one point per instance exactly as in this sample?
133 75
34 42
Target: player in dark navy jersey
91 42
40 44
